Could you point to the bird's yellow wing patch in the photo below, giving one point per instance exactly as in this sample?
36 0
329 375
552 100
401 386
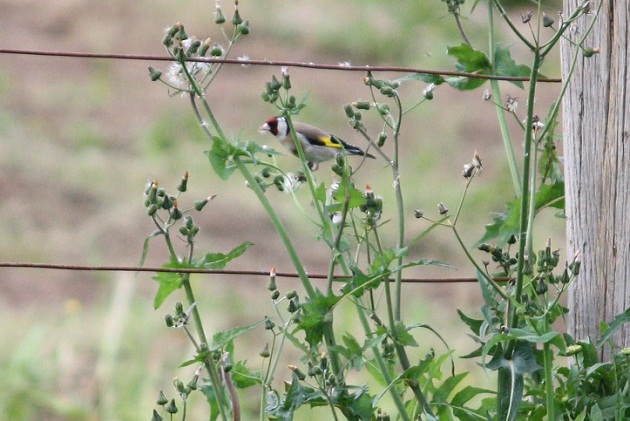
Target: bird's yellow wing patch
328 141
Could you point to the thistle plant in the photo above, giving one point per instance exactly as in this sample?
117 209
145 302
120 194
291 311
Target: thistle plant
522 289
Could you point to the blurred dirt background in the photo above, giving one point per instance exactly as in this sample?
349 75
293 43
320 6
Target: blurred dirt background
79 138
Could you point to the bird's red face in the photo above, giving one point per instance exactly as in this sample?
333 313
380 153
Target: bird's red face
270 126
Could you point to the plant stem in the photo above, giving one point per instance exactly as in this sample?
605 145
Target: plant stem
279 227
508 143
329 337
400 209
524 244
384 370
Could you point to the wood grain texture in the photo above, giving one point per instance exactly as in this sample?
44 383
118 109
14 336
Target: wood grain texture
596 126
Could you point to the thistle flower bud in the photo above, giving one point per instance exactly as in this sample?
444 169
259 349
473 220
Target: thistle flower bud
380 140
236 19
193 48
269 324
171 408
192 384
362 105
176 213
169 323
590 52
468 170
297 371
200 204
527 16
156 416
383 109
180 34
418 213
291 294
205 46
275 294
243 28
219 18
265 351
155 74
216 51
547 20
348 110
271 286
442 209
428 91
294 305
574 349
161 400
168 202
286 81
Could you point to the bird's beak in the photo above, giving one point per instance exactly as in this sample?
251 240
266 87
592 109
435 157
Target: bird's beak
264 128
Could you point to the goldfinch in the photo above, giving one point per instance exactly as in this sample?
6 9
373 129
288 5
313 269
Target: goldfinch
318 145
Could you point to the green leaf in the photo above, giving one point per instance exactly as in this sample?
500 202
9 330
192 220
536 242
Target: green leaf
505 225
168 283
208 391
468 393
529 335
504 65
219 260
550 195
221 339
609 330
473 324
320 193
316 314
402 335
422 262
348 192
469 60
424 77
243 377
510 393
511 381
220 156
443 392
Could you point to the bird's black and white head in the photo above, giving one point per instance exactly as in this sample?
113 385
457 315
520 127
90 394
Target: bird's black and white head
277 126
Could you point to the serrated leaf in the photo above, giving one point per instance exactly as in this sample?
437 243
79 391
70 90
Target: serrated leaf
469 60
168 283
422 262
320 193
220 156
529 335
220 260
465 83
352 194
424 77
221 339
473 324
504 65
505 225
315 315
243 377
550 195
402 335
613 326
